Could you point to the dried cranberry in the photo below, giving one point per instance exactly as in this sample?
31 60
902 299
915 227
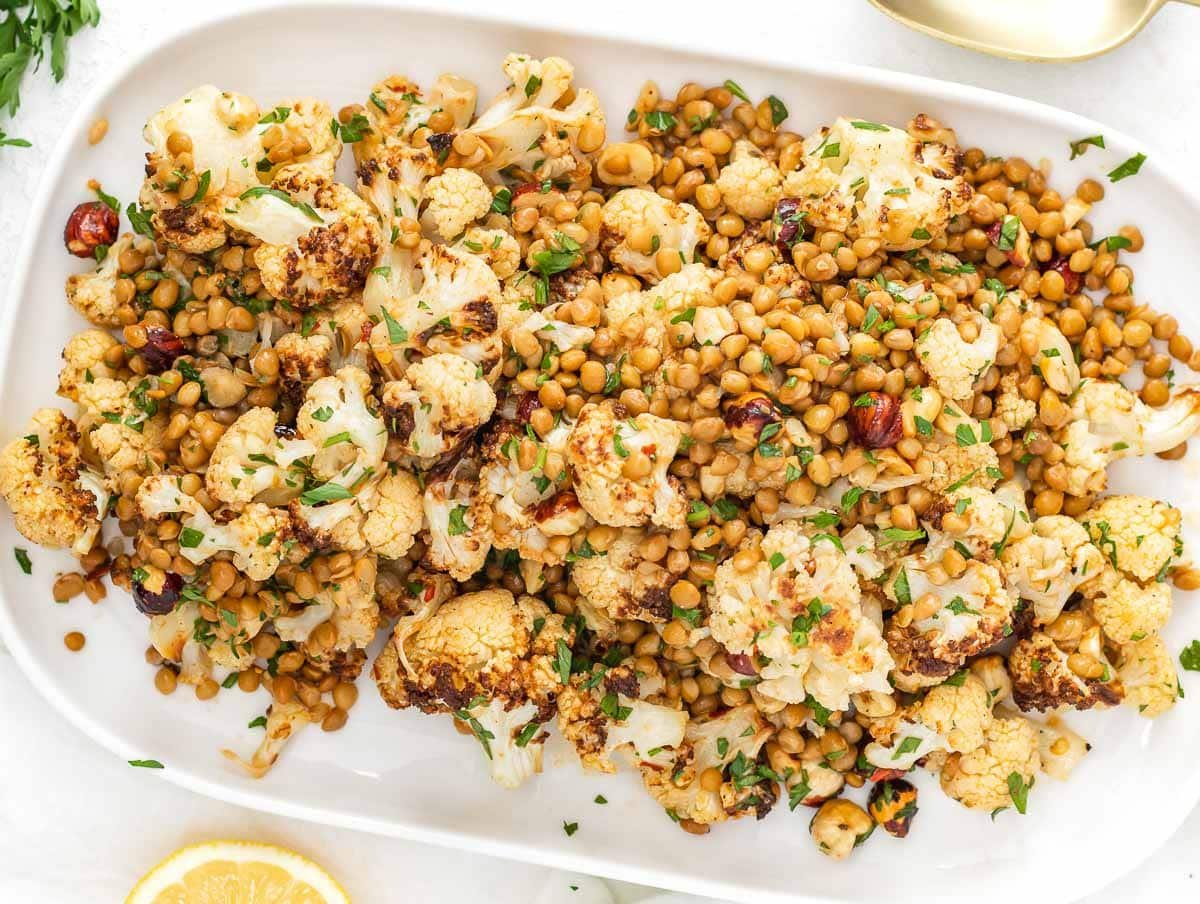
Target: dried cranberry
789 224
526 406
90 224
741 663
161 349
1072 280
875 420
525 187
886 775
151 603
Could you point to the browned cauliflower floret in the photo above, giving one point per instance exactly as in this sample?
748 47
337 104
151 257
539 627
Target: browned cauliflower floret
952 717
454 311
55 500
84 361
621 584
998 773
799 608
454 199
1147 672
302 361
1050 564
524 508
1139 536
226 151
1043 678
621 468
601 713
319 239
440 402
638 224
895 187
730 744
947 623
459 522
491 660
750 185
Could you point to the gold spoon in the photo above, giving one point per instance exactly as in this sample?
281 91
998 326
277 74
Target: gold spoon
1039 30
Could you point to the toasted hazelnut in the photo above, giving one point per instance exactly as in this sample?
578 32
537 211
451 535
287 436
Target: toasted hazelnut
90 224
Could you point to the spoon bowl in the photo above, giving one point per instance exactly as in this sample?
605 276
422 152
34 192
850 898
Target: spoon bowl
1037 30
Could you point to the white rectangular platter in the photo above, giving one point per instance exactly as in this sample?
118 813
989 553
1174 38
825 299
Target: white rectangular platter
414 777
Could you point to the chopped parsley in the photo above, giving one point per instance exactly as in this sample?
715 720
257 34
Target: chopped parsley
22 557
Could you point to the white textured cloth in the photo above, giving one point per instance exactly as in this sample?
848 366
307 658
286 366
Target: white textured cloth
76 825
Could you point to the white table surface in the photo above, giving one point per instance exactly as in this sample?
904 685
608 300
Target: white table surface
78 826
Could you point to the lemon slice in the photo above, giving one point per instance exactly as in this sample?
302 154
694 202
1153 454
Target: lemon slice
236 872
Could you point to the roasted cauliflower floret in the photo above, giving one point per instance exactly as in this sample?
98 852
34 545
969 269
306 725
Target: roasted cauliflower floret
250 459
998 773
284 722
531 133
1109 422
897 188
526 510
800 607
947 624
602 714
319 239
454 312
995 519
497 248
621 466
621 584
490 659
953 717
1128 611
1050 352
55 500
255 537
952 362
302 361
454 199
84 361
729 744
395 518
459 524
1011 407
1147 672
750 185
439 403
637 223
122 422
1050 564
644 319
94 293
1042 678
1139 536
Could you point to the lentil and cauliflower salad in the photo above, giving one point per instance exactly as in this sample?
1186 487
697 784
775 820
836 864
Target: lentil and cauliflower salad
759 463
